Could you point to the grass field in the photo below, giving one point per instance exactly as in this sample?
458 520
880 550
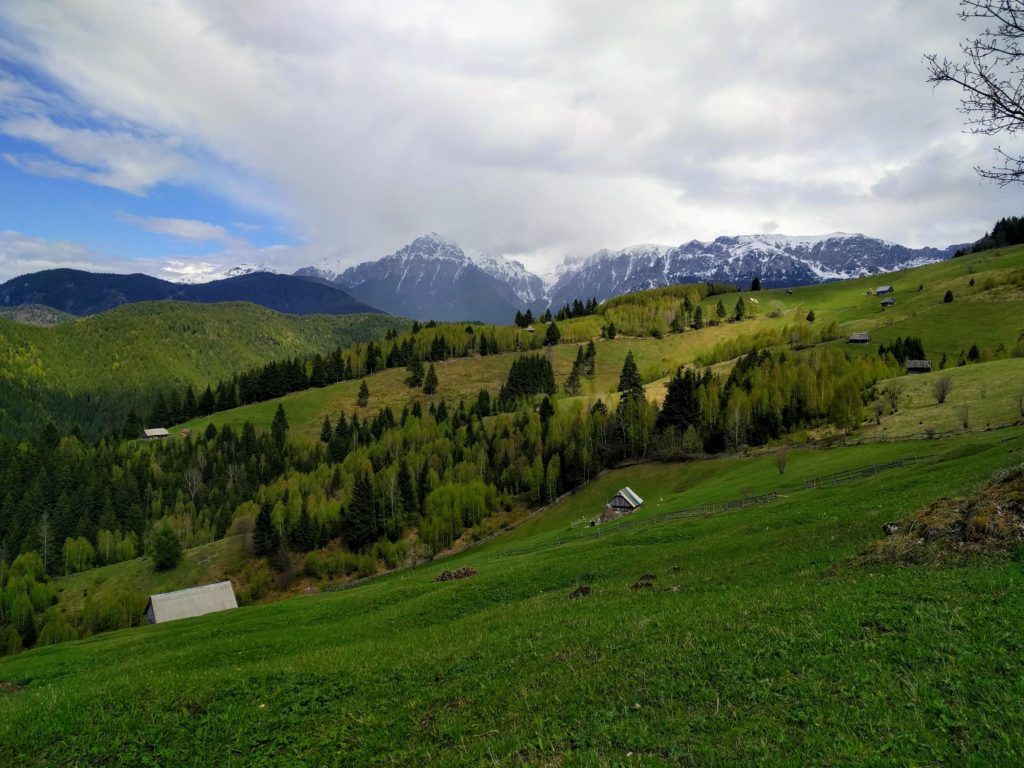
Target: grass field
759 643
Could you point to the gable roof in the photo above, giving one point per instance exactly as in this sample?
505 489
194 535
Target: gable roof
194 601
630 495
859 337
156 432
883 289
915 364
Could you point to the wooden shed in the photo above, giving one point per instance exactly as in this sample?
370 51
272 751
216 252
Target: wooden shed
888 302
883 289
919 366
186 603
157 433
859 338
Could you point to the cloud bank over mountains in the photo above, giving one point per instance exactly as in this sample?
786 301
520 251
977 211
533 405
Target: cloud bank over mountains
536 130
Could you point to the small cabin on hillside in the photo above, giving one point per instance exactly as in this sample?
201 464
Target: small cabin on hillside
859 338
883 289
157 433
888 302
625 502
919 366
186 603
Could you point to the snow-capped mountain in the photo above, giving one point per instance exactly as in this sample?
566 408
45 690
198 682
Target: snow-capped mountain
778 260
197 277
433 278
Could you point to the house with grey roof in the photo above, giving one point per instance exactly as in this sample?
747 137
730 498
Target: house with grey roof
186 603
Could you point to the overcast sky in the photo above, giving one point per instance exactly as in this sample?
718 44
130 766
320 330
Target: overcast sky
172 136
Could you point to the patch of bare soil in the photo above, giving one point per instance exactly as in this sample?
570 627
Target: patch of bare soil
461 573
644 582
581 591
7 687
989 522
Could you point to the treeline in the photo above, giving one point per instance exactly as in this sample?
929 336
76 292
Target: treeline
432 342
1007 231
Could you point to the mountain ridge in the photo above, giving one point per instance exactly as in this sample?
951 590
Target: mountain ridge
82 293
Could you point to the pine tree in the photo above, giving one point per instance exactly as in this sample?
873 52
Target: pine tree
430 381
810 316
279 427
326 430
698 318
265 538
681 407
360 526
364 395
755 284
631 384
740 311
948 298
552 335
166 548
415 369
720 310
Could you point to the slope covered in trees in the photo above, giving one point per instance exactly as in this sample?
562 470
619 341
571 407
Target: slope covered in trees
93 371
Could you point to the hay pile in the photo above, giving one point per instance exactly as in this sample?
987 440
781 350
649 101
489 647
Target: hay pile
990 522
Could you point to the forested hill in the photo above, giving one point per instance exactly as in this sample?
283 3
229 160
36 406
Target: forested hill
86 293
93 370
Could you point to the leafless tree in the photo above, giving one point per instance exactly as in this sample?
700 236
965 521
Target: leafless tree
878 408
781 458
193 482
892 393
941 388
964 412
991 75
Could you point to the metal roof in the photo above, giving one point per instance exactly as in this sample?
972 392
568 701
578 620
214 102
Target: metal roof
919 364
629 495
859 337
194 601
156 432
883 289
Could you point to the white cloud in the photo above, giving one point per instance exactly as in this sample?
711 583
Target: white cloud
20 254
539 129
187 229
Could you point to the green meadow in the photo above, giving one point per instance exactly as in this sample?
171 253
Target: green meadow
757 641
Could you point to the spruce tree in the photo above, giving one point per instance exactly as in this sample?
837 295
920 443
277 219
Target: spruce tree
631 384
415 369
430 381
755 284
326 430
552 335
279 427
364 395
698 318
360 526
740 311
166 548
265 539
720 310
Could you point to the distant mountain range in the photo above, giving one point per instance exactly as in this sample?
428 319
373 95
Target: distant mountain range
433 278
87 293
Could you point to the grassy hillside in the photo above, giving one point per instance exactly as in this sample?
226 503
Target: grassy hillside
91 368
989 314
756 641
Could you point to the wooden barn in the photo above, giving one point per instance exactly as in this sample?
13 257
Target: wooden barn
157 433
883 289
888 302
919 366
859 338
186 603
625 502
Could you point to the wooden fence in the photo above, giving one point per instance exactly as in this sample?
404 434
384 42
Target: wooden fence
852 475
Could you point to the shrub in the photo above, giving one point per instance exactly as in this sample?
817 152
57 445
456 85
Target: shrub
941 388
166 548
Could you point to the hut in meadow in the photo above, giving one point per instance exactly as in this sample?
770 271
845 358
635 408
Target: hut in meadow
883 289
156 433
919 366
186 603
859 338
625 502
888 302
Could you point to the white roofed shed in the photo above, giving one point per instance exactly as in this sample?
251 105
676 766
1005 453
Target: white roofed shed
186 603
